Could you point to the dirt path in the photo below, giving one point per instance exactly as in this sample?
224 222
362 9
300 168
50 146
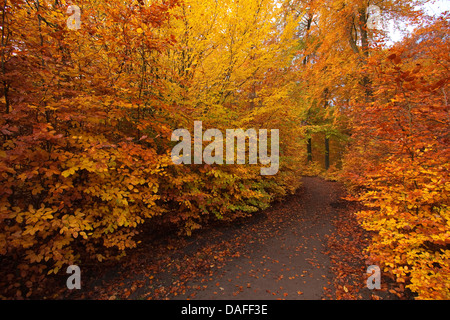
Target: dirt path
281 253
291 264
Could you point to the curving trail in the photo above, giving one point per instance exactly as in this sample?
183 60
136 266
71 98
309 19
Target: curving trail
284 254
301 248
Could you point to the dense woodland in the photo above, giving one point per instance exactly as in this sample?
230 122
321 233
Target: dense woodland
87 115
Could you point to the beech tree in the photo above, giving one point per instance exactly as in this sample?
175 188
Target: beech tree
88 109
75 172
398 155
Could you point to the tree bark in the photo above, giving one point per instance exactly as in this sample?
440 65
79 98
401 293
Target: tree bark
309 150
327 153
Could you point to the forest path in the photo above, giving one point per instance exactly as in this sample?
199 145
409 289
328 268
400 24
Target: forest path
283 256
305 247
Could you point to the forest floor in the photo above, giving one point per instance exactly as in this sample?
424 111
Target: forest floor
308 246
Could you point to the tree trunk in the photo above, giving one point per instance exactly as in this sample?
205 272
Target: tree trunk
305 61
309 149
327 140
327 153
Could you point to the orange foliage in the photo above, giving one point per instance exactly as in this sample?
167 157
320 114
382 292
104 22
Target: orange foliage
87 115
399 157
